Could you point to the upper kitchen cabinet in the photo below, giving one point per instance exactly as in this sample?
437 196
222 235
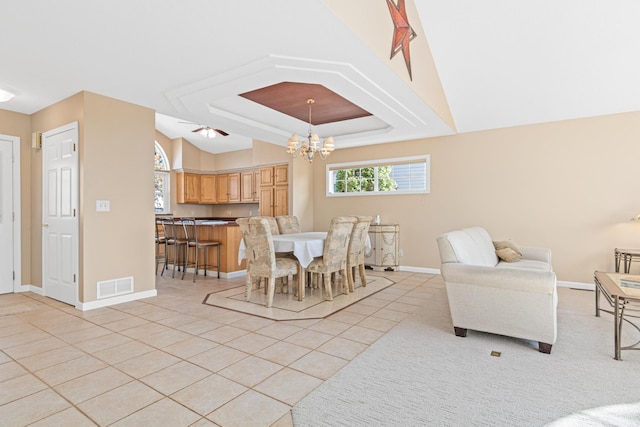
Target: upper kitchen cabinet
208 189
188 187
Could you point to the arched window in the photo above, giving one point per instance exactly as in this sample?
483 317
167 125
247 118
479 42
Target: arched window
162 184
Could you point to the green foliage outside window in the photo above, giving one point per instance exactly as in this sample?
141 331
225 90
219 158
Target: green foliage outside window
363 180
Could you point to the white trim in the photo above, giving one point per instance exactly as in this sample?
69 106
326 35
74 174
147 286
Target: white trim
84 306
419 269
31 288
17 212
561 283
232 274
577 285
375 163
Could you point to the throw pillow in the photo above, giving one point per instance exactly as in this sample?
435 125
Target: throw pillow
507 244
508 255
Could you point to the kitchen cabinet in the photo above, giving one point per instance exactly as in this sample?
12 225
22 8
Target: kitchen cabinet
233 187
188 187
274 190
228 188
208 189
384 247
256 185
248 188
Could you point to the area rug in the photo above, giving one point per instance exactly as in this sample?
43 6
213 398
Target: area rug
287 307
421 374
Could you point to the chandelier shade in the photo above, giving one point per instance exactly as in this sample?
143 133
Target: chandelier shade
311 147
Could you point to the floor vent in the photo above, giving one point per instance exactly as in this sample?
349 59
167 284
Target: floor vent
111 288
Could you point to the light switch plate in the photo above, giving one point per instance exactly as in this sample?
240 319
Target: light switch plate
102 206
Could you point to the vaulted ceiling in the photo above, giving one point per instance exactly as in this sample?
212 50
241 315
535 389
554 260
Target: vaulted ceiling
475 64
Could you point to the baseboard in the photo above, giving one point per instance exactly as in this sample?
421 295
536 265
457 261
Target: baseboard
419 269
233 274
84 306
577 285
560 283
30 288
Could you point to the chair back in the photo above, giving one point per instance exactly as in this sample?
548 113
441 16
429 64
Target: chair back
190 229
337 243
159 230
288 224
258 242
358 238
273 224
169 230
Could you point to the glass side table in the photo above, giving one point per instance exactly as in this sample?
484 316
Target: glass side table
626 256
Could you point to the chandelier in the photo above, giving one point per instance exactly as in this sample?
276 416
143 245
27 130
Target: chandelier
309 148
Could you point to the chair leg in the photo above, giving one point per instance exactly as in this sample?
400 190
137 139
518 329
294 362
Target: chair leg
206 254
218 263
195 272
185 261
175 260
271 285
326 278
363 277
249 284
351 276
346 283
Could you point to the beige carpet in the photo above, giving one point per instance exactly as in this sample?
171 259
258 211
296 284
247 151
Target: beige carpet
421 374
287 307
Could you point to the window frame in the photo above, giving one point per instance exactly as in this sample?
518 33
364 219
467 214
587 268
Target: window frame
165 175
424 158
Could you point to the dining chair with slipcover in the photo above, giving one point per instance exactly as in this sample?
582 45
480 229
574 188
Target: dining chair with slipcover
261 257
355 253
288 224
334 255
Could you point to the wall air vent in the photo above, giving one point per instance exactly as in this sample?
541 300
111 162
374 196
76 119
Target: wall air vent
111 288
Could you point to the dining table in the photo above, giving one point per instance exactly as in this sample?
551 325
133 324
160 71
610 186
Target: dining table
305 247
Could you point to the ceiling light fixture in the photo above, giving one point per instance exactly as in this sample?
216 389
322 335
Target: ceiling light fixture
207 132
6 95
311 146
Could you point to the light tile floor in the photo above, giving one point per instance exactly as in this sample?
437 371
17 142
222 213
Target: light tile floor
173 361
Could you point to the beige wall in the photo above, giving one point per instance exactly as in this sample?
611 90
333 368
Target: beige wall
62 113
569 186
117 164
115 145
16 124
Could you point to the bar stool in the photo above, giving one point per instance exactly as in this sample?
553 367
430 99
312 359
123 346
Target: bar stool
175 241
191 233
161 255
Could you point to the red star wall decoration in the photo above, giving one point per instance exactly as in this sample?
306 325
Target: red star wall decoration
402 33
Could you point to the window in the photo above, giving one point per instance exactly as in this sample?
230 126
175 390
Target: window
162 184
406 175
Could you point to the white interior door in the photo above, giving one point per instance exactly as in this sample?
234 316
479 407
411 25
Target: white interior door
6 216
60 213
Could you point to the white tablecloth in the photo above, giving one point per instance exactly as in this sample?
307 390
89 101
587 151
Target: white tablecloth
305 246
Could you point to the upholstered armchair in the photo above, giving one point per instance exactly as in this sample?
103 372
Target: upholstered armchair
517 299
